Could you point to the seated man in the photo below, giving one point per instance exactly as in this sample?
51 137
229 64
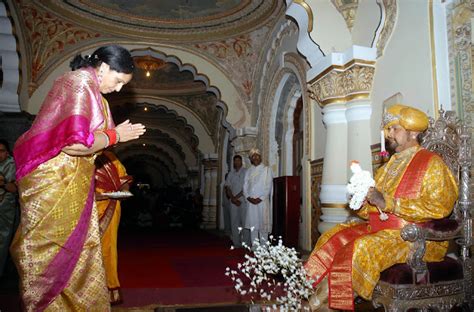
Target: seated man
415 185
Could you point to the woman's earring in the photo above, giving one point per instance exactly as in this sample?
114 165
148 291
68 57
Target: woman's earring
99 76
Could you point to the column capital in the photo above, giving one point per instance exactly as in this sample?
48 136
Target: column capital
244 140
210 161
343 77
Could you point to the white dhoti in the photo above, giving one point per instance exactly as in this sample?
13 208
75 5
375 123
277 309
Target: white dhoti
235 182
258 217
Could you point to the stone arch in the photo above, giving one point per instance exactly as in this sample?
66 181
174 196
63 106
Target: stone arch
166 155
216 79
206 142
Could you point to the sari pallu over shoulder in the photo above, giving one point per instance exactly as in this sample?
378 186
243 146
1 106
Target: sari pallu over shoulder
57 194
70 113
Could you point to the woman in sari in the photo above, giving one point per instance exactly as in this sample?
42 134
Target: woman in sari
57 247
110 176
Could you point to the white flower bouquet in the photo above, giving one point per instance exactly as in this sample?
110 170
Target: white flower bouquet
274 274
358 186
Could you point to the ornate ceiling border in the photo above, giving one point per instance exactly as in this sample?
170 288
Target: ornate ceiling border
115 15
254 16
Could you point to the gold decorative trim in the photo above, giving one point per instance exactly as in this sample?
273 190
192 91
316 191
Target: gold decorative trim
309 11
338 86
342 68
348 10
359 96
433 60
332 205
390 11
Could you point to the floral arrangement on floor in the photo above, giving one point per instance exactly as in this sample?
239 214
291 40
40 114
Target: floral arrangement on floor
274 274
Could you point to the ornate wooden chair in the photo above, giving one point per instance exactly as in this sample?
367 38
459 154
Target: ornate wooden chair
437 286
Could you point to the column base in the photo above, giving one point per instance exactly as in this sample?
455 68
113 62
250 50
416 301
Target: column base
331 217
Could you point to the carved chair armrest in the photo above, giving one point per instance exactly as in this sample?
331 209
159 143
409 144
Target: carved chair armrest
417 235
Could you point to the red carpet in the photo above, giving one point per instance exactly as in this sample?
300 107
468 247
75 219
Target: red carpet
176 268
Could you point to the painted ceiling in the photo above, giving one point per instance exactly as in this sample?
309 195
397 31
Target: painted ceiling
175 20
183 10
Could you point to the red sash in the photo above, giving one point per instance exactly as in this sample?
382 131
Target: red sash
410 184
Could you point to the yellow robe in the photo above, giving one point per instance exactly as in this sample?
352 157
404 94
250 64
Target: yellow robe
375 252
109 235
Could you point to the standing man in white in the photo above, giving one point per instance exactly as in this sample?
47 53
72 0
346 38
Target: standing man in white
233 191
257 189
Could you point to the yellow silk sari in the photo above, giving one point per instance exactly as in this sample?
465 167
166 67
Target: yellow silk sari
57 246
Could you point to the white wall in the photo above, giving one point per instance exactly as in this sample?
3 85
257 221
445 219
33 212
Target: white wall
366 22
330 31
405 66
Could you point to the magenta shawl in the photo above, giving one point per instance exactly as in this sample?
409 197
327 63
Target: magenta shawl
70 114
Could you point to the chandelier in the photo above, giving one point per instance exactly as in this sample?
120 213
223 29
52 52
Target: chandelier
148 64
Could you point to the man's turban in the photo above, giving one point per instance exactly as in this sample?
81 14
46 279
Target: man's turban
411 119
254 151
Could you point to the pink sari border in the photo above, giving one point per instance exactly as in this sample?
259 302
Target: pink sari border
59 271
44 146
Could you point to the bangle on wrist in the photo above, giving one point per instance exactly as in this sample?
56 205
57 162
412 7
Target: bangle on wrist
112 136
117 134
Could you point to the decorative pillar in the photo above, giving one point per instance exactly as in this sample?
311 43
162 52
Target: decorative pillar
193 178
359 135
333 186
209 211
245 139
341 85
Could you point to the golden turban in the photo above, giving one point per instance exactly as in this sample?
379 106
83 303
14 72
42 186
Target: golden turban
254 151
409 118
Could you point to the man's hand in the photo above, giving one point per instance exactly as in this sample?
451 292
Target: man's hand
375 198
235 201
254 201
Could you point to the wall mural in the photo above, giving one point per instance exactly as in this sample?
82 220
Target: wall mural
170 9
48 36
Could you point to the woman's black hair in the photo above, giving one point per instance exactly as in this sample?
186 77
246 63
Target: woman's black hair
117 57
